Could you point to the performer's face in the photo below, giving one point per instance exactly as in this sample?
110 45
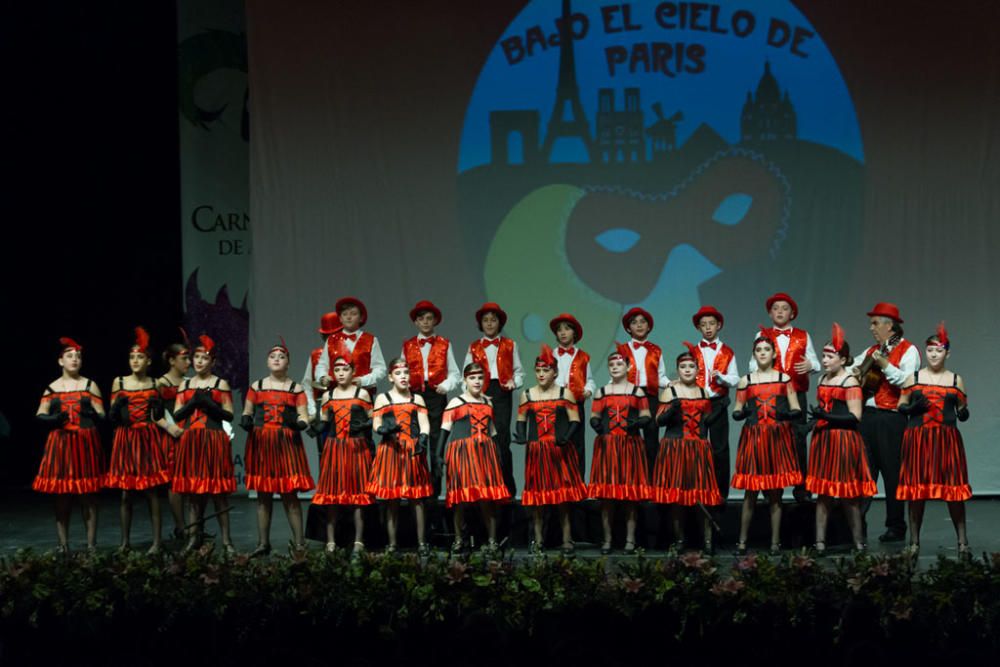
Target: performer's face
182 362
203 363
709 327
277 361
490 324
350 318
781 313
936 356
400 377
138 362
763 353
71 361
545 375
425 322
687 371
639 327
617 368
881 328
474 383
565 334
831 362
343 374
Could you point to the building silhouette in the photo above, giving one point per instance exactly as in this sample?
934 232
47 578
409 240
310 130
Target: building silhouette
663 133
620 131
768 114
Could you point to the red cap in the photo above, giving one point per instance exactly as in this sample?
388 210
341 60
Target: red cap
570 320
424 306
781 296
705 311
347 301
490 307
329 324
632 312
141 340
883 309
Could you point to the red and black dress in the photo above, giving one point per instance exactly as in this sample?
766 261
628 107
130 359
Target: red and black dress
275 456
618 470
765 459
73 461
397 471
471 457
139 452
933 465
168 392
203 461
346 463
684 473
551 470
838 462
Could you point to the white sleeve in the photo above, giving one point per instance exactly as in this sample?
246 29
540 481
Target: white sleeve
732 375
589 385
858 359
908 365
307 385
811 355
323 365
752 364
468 357
454 375
661 374
378 367
518 370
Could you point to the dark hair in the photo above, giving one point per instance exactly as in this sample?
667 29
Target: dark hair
844 352
173 351
936 340
396 361
471 369
685 355
764 339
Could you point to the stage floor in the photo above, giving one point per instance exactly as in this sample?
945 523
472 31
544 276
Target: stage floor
26 520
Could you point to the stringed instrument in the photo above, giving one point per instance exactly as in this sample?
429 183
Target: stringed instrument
870 373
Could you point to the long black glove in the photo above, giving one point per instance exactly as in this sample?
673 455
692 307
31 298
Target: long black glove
438 460
783 415
962 413
718 411
597 424
290 419
520 436
55 416
359 427
119 414
918 404
421 447
389 425
87 409
156 409
570 432
212 409
185 410
845 419
634 426
246 423
315 426
667 415
749 408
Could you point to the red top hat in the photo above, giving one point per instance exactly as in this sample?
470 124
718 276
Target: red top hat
347 301
570 320
781 296
884 309
632 312
705 311
490 307
423 307
329 324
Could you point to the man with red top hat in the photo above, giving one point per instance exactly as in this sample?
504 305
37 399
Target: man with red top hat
646 370
433 371
498 355
366 354
573 372
893 360
717 374
329 324
795 357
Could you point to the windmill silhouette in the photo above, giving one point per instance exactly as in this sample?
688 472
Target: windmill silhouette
568 120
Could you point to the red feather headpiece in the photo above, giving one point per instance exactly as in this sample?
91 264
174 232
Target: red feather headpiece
141 340
341 355
69 344
187 341
765 334
546 357
621 350
836 340
942 336
280 346
207 345
692 352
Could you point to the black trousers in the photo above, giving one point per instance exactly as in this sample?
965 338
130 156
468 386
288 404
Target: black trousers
651 434
718 436
436 404
800 437
503 406
580 440
882 431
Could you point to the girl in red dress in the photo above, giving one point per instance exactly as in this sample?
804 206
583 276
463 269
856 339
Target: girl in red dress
838 465
203 462
346 460
933 465
684 473
400 467
618 470
275 456
471 458
139 460
765 458
547 420
73 462
177 357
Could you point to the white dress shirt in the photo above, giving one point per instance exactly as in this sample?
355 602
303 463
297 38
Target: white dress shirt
896 375
454 378
730 378
378 361
783 342
491 358
639 354
307 380
564 361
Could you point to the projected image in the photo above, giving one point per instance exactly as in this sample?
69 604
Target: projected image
661 154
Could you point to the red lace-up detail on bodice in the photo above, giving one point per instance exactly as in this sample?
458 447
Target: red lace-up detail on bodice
694 412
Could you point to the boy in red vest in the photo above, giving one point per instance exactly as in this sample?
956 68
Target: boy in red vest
433 371
498 355
717 373
796 358
573 372
369 364
647 370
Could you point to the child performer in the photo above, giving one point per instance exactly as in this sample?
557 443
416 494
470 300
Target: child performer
329 325
684 474
501 363
400 467
646 370
366 354
796 357
275 456
346 462
177 357
765 457
838 465
203 463
933 462
433 371
574 371
546 421
139 455
470 455
619 471
73 462
717 373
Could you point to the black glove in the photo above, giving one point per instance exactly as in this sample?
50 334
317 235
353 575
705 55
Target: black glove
290 419
119 414
156 409
246 423
442 446
520 436
666 416
202 398
749 408
421 447
389 425
212 409
718 411
918 404
185 410
55 416
962 413
437 467
783 415
87 409
845 419
570 432
314 428
597 424
636 425
359 427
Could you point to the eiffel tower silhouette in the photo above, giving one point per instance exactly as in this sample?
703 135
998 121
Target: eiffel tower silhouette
568 120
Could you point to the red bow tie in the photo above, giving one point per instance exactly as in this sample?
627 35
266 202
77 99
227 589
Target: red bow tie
636 344
351 337
566 350
495 342
711 345
428 341
782 332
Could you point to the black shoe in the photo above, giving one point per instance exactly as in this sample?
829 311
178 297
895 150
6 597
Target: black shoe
801 495
892 535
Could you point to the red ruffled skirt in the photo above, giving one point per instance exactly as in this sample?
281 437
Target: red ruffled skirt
276 461
766 458
203 463
551 474
473 472
138 458
73 462
619 470
397 473
933 465
344 470
684 473
838 465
